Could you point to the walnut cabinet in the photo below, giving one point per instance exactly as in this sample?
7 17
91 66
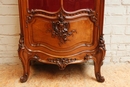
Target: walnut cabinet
61 32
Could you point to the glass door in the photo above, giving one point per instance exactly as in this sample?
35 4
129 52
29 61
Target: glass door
55 5
48 5
73 5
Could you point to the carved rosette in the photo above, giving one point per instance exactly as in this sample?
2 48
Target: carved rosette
61 62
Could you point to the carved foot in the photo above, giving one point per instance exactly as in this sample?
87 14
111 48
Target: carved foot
24 78
99 77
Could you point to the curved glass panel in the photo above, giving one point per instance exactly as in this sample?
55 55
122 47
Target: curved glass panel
48 5
54 5
73 5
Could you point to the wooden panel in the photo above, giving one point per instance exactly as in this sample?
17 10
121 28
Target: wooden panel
40 33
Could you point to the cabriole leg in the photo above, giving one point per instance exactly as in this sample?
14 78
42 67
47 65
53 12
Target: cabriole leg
23 55
26 65
99 57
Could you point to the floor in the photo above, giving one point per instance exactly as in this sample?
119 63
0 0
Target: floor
81 75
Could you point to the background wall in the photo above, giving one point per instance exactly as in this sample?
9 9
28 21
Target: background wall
116 31
9 31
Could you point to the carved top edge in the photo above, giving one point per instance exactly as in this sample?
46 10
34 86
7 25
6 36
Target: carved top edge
68 15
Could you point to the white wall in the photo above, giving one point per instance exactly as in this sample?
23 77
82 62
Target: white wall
116 31
9 31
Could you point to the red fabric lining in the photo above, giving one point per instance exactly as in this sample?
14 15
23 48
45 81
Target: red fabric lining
54 5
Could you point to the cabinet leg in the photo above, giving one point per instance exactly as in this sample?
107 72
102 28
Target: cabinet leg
98 76
24 78
26 65
98 61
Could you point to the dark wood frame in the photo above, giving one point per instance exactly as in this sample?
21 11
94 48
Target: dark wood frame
95 50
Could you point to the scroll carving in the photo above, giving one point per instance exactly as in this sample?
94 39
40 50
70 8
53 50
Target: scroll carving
102 46
76 14
93 17
21 42
61 62
33 12
102 42
30 16
61 29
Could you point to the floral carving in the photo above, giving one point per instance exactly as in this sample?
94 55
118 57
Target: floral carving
21 42
102 42
61 29
61 62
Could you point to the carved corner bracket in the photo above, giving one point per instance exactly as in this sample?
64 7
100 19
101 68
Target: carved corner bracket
61 62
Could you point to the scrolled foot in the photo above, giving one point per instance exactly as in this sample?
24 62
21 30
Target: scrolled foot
24 78
99 78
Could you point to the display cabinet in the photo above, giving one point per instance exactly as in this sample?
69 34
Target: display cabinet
61 32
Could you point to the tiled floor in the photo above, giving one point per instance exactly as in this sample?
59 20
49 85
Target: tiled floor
82 75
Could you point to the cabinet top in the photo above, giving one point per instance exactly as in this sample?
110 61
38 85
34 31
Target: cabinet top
55 5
